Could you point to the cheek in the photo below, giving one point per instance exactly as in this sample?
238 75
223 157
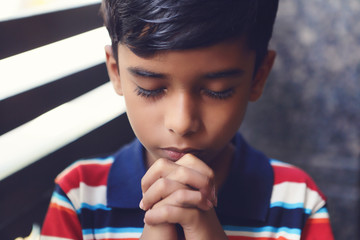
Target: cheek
224 121
143 118
229 114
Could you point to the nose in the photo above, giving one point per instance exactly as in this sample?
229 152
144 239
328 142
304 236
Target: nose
183 116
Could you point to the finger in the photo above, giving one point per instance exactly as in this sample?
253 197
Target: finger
198 165
160 169
161 189
171 214
164 168
190 161
195 180
187 198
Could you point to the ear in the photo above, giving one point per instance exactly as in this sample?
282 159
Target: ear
113 70
261 76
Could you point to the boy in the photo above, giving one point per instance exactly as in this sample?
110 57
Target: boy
187 70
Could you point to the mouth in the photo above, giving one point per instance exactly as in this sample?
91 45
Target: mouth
175 154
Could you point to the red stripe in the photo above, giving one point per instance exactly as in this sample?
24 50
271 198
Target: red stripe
60 222
322 231
120 238
294 174
255 238
62 209
91 174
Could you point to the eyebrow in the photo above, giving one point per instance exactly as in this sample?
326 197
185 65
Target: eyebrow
229 73
145 73
224 74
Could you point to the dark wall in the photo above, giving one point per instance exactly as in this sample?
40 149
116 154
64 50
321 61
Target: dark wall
309 114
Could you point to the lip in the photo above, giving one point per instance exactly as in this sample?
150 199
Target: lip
175 154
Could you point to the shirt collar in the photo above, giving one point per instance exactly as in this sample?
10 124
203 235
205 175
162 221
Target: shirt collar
245 193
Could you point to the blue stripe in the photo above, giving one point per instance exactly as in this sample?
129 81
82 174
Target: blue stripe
322 210
112 230
275 161
61 195
93 207
61 198
263 229
290 206
91 160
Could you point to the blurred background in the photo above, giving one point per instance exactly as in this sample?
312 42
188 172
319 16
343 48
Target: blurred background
56 105
309 114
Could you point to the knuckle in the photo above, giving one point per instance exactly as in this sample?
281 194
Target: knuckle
208 183
181 173
181 195
162 184
161 163
211 174
210 178
166 211
189 158
143 184
192 161
202 197
202 201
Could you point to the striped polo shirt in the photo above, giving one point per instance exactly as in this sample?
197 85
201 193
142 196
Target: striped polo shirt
261 199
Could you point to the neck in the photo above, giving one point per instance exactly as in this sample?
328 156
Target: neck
221 165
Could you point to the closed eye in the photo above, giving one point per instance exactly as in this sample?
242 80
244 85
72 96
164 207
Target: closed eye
219 94
146 93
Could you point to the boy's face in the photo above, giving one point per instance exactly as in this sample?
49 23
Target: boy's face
189 101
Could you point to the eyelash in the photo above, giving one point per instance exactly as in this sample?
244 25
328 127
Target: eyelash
149 93
219 95
146 93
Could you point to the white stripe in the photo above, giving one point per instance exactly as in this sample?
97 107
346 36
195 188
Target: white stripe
320 215
76 164
111 236
62 203
10 10
48 63
57 128
275 162
295 193
88 195
263 234
43 237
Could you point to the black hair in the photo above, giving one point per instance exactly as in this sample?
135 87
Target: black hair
149 26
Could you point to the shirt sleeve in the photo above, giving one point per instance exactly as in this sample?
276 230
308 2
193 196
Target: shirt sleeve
61 221
317 226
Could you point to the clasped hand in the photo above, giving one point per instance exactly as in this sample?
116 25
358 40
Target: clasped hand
181 192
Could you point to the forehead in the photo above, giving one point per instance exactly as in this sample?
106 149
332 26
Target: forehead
228 54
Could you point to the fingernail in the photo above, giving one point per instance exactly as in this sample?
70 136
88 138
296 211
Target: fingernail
214 197
213 192
141 204
209 204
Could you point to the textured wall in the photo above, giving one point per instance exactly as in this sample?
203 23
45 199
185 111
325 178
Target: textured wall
310 112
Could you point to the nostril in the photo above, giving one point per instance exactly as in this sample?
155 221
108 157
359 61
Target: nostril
184 129
182 117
